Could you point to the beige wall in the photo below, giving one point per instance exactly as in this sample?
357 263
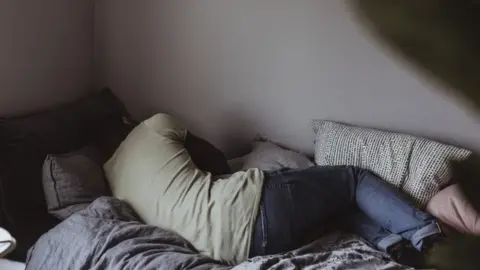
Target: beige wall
235 68
46 52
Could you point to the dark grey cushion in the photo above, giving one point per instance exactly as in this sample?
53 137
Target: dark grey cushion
72 181
25 141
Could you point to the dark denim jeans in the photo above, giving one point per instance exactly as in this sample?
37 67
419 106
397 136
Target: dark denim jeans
297 205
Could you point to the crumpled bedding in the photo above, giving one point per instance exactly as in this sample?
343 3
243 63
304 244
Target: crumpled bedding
109 235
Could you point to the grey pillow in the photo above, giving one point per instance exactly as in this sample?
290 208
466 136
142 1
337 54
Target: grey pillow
72 181
417 166
236 164
269 157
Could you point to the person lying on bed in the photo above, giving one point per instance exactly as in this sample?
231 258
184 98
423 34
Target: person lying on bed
251 213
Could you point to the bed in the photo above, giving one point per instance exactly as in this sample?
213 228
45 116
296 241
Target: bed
11 265
103 232
108 235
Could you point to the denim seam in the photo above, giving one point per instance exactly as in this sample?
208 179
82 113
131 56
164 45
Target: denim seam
264 228
286 186
292 224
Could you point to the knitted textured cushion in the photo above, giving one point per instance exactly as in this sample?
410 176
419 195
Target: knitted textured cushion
418 166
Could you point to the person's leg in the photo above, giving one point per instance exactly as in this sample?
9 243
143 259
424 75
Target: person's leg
392 210
357 222
400 250
295 206
296 203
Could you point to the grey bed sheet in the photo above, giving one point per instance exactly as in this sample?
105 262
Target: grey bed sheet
109 235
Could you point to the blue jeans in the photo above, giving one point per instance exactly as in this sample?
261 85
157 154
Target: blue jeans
297 205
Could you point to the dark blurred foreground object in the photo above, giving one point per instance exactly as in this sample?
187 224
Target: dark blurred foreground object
440 36
443 38
461 250
467 174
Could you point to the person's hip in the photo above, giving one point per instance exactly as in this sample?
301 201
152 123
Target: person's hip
287 217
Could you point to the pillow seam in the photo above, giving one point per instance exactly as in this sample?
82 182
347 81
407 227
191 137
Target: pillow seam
59 203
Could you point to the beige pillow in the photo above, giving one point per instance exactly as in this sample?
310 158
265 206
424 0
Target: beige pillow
236 164
452 208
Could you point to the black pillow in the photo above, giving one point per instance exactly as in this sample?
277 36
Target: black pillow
206 156
26 140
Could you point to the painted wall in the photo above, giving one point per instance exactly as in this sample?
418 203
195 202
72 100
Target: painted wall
233 69
46 52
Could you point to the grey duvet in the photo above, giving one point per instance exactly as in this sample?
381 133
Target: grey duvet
109 235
